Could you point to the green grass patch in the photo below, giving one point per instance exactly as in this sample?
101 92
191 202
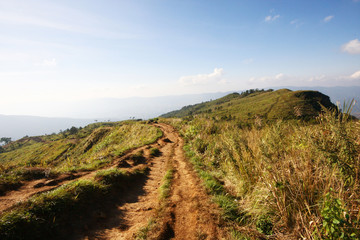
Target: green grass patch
228 204
236 235
43 215
91 148
165 188
142 234
39 217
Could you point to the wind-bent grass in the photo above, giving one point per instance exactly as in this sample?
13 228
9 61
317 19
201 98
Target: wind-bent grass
285 175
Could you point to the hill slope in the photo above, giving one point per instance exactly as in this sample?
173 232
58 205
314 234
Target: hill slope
283 103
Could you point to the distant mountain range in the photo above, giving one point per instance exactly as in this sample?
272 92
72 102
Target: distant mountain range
19 126
114 109
109 109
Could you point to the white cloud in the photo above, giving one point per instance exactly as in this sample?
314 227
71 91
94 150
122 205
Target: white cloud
352 47
271 18
215 77
328 18
317 78
139 86
279 76
355 75
267 79
296 22
49 62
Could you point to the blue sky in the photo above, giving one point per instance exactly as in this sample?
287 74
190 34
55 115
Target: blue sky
65 51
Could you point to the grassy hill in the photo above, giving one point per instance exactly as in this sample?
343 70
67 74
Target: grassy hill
287 179
85 149
268 105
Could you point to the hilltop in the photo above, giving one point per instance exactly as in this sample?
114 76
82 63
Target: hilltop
268 105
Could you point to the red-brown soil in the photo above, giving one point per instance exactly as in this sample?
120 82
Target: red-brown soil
187 213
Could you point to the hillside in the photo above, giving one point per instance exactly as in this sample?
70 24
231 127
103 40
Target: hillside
83 149
203 177
268 105
108 181
276 178
339 94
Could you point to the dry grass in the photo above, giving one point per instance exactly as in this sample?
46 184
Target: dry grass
293 180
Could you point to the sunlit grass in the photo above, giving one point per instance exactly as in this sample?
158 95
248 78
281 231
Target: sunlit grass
43 215
91 148
280 172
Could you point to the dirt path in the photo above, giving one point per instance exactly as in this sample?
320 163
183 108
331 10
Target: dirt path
134 210
33 187
191 215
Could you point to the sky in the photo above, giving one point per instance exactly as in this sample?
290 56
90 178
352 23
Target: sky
67 51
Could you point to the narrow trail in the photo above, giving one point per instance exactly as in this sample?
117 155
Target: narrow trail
193 215
134 211
190 213
33 187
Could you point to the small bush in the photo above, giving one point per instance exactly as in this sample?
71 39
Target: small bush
264 225
336 221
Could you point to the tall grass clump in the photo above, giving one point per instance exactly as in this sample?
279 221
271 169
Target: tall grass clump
291 178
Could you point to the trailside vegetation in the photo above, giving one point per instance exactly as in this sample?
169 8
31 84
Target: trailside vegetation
283 179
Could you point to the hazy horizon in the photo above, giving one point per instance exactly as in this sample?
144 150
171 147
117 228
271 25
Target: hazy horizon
55 55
